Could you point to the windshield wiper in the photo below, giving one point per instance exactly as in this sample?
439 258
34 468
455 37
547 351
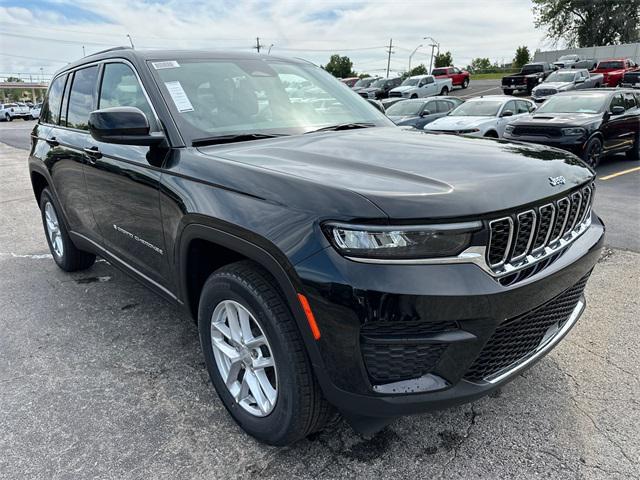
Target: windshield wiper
343 126
238 137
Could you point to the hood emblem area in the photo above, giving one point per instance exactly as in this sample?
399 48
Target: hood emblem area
555 181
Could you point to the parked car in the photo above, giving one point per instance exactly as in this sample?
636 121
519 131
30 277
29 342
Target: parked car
387 102
589 123
565 80
614 69
380 88
35 111
418 112
420 86
331 260
9 111
350 81
459 78
364 83
482 116
589 64
631 80
529 76
566 61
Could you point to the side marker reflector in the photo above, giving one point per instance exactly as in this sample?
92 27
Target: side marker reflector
310 318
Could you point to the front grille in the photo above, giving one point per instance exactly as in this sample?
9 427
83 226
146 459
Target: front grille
527 236
544 92
518 338
395 94
631 77
536 131
392 351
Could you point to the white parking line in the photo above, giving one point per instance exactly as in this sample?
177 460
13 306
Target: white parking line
474 94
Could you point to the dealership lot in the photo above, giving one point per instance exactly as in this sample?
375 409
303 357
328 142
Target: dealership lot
99 377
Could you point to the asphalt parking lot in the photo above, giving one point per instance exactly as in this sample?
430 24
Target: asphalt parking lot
100 378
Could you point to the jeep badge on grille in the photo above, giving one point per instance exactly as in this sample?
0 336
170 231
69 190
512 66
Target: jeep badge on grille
555 181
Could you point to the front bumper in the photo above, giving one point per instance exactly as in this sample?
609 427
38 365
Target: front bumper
573 144
457 306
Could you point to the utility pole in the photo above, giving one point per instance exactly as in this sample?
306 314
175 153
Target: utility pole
258 46
390 51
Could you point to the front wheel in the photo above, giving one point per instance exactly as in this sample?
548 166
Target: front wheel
256 358
465 83
592 152
66 255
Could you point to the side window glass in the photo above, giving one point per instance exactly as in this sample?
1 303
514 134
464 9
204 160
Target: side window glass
52 104
430 80
617 101
82 98
522 107
443 107
629 101
511 105
120 88
65 102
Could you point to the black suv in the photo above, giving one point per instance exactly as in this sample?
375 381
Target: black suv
590 123
529 76
332 260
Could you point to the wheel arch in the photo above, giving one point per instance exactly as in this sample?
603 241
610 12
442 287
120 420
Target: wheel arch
39 182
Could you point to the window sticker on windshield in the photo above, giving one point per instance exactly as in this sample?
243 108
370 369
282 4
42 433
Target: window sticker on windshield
166 64
179 96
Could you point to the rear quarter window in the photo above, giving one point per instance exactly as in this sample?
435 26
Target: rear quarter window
53 101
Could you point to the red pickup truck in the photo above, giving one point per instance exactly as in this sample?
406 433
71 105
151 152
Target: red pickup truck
613 70
460 78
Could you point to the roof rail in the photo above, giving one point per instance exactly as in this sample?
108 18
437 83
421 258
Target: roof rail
112 49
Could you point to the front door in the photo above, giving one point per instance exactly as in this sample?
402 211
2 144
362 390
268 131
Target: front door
123 184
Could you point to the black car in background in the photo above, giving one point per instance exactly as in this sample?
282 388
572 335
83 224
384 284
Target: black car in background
418 112
590 123
631 80
379 89
529 76
364 83
331 260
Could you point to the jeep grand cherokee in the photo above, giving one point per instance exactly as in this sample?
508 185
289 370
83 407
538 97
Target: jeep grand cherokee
332 261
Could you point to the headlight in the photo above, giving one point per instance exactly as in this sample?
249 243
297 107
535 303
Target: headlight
575 131
400 242
509 129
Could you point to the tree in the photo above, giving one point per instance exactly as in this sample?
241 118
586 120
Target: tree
586 23
419 70
522 57
340 67
443 59
480 64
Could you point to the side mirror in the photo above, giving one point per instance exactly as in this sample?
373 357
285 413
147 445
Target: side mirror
425 113
507 113
617 110
377 105
123 126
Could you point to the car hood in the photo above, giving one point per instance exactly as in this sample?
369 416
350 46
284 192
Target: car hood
404 88
402 118
556 85
456 123
369 89
557 119
406 173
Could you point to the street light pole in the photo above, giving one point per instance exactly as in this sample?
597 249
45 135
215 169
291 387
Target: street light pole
270 47
433 45
411 56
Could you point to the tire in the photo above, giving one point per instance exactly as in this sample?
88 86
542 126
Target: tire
592 153
491 134
298 408
25 118
414 96
634 153
66 255
8 118
444 92
465 83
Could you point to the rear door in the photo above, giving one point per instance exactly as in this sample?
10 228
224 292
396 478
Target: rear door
619 130
123 181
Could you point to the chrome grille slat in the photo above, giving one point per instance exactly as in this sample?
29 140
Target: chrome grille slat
526 242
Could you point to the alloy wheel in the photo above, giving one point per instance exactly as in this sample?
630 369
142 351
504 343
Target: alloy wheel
595 152
53 229
244 359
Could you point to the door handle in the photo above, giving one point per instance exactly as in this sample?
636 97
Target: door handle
52 142
93 153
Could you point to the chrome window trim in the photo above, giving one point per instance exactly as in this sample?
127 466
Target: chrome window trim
509 241
531 235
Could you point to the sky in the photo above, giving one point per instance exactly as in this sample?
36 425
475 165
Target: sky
43 35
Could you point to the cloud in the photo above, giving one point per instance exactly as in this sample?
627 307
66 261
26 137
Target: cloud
49 33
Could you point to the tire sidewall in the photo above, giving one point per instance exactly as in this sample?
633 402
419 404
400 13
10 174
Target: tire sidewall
587 151
45 198
283 415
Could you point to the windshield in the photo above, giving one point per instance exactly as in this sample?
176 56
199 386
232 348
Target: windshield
592 103
365 82
480 108
213 97
561 77
440 71
405 108
381 82
411 82
532 68
609 65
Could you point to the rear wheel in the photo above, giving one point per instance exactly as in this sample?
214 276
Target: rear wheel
64 252
592 152
8 118
465 83
414 96
256 358
444 91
